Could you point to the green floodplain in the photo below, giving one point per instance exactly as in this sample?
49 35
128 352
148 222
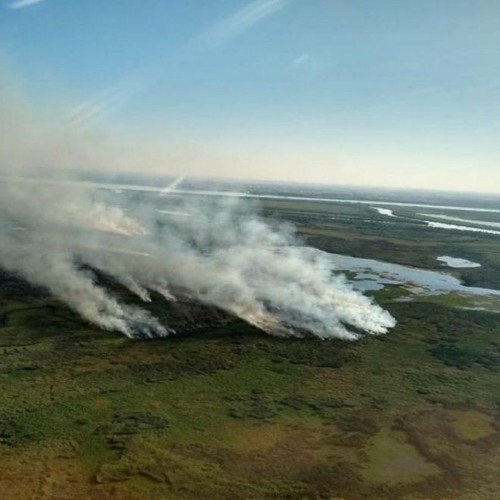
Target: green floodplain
222 410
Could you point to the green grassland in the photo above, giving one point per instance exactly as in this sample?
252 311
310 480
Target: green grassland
224 411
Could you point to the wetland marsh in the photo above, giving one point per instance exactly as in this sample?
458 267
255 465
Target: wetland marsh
223 411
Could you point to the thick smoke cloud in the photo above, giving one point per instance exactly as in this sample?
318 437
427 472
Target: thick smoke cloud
217 251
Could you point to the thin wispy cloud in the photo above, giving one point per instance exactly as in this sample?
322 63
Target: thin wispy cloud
237 23
87 113
301 59
92 110
21 4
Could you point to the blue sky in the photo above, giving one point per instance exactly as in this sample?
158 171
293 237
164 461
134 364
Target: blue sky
395 93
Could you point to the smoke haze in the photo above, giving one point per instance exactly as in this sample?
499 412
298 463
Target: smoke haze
220 252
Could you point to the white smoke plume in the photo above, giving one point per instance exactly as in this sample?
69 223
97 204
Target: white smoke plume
217 251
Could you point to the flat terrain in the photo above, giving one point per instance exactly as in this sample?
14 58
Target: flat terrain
224 411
